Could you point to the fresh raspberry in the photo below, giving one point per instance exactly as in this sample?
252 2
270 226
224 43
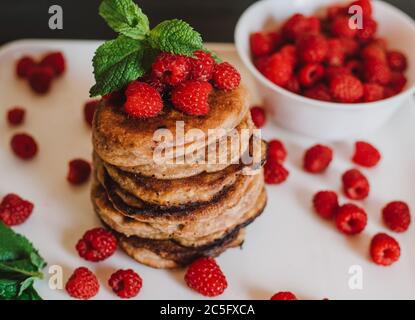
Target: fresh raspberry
125 283
366 154
318 92
370 27
317 158
293 85
16 115
82 284
261 63
40 79
355 68
276 151
397 61
339 27
79 171
278 69
143 101
335 53
397 216
289 52
284 296
355 185
262 43
312 48
332 72
172 69
24 146
24 65
346 88
192 97
275 173
202 66
56 61
156 83
384 249
298 24
96 245
326 204
397 82
350 46
89 110
388 92
350 219
373 52
258 116
226 77
365 5
205 276
14 210
376 72
310 74
335 10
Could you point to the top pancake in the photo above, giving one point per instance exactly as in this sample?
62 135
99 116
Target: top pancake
124 141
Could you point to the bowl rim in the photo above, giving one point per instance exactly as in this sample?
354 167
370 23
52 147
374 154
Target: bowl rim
246 59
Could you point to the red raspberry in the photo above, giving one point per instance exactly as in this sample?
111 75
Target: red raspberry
170 68
156 83
384 249
397 61
293 85
40 79
350 46
346 88
261 63
339 27
89 110
326 204
388 92
355 185
335 11
332 72
56 61
82 284
365 5
319 92
312 48
397 82
317 158
278 69
263 43
143 101
366 154
289 52
355 68
373 52
96 245
226 77
14 210
16 116
205 276
298 24
191 97
125 283
284 296
275 173
397 216
335 53
276 151
79 171
377 72
24 146
350 219
24 65
202 66
310 74
258 116
370 27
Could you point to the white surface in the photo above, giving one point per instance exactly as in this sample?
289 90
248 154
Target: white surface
326 120
287 248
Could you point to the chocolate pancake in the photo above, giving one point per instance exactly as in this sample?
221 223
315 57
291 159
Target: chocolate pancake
124 141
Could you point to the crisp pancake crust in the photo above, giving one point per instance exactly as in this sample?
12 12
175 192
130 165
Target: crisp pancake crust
124 141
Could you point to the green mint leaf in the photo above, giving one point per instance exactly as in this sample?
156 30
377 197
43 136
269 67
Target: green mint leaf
25 284
9 289
125 17
29 294
175 36
23 267
116 63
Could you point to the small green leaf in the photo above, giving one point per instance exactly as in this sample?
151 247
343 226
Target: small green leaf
28 282
9 289
24 267
29 294
175 36
116 63
125 17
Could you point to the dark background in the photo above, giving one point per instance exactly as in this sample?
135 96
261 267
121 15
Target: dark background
214 19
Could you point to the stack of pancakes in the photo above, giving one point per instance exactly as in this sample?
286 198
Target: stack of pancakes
168 213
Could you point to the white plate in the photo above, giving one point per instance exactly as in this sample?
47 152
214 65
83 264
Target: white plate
287 248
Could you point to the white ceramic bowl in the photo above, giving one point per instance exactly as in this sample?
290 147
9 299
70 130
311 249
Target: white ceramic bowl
326 120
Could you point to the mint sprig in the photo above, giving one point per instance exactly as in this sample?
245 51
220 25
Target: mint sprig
124 59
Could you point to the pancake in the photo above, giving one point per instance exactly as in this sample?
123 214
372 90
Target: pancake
124 141
168 255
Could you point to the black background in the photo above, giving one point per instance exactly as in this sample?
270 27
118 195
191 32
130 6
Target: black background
214 19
